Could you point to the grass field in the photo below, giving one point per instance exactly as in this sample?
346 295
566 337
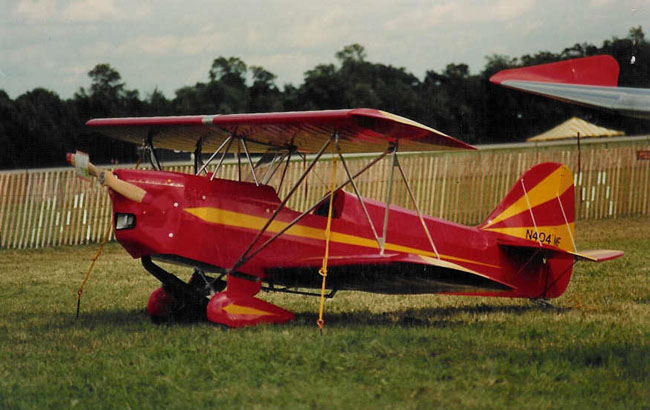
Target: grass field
592 351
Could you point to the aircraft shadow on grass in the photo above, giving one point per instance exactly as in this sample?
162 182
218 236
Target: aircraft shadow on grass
90 319
436 317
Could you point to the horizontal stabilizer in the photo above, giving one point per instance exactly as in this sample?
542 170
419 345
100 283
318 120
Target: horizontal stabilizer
598 255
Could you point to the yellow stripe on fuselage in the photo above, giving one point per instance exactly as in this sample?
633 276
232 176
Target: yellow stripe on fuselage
241 220
548 189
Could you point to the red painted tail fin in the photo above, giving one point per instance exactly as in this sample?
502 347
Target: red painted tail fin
538 214
536 220
539 209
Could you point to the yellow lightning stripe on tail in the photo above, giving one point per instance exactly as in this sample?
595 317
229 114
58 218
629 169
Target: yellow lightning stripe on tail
240 220
548 189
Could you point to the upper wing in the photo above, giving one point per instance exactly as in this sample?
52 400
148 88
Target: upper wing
360 130
589 81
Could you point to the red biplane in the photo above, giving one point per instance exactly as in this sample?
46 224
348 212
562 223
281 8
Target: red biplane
244 232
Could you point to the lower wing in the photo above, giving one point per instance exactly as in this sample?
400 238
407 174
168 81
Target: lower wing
388 274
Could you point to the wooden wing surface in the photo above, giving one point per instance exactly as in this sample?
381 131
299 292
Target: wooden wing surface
361 130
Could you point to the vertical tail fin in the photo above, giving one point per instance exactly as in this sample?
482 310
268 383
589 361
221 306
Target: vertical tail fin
535 226
538 212
539 208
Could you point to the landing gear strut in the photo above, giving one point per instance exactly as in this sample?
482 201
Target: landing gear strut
176 300
204 298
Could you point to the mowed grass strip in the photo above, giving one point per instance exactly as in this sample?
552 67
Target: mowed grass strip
428 351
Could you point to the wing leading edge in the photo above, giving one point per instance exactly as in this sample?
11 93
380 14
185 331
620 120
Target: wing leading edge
361 130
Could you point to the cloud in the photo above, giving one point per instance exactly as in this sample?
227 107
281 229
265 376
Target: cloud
32 54
448 12
317 29
505 10
74 75
80 11
35 10
90 10
601 3
173 45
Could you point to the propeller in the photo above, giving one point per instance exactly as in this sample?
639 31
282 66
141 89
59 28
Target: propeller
86 169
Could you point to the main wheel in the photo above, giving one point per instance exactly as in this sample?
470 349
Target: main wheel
164 307
161 306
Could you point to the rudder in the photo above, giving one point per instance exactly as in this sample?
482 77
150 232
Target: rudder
539 208
538 212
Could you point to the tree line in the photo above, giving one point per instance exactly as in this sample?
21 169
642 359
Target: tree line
38 127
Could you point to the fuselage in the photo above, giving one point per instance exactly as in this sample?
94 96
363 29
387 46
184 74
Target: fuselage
206 223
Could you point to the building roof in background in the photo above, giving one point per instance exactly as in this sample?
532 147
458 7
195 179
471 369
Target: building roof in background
573 127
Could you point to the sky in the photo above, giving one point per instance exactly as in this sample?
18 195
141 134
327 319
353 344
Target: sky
168 44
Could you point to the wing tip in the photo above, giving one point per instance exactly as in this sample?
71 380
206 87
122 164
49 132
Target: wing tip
442 140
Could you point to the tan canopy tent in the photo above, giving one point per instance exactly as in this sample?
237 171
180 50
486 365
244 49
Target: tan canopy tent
571 128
